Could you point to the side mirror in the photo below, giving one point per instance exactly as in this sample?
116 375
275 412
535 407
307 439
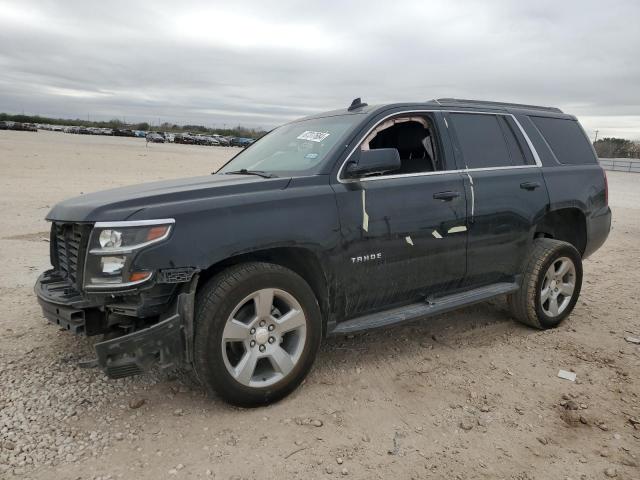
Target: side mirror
369 162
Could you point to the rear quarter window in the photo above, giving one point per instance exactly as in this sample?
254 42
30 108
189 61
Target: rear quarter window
566 139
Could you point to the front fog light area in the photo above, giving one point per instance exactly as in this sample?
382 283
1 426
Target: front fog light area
107 270
112 265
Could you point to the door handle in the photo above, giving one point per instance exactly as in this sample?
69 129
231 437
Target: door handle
529 185
446 196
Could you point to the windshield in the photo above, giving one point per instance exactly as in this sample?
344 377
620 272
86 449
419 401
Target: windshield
295 148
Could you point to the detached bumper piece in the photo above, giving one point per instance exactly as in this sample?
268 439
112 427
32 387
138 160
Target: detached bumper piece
70 318
132 354
63 305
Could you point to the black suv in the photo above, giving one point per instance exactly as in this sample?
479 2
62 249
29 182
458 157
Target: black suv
336 223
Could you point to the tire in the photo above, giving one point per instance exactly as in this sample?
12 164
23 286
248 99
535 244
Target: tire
543 281
245 362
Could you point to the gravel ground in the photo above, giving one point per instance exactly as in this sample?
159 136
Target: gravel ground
465 395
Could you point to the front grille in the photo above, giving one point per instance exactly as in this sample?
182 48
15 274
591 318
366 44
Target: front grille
68 247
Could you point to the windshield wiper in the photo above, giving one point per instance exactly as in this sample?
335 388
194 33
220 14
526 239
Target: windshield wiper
244 171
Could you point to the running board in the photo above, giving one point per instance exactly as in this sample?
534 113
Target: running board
415 311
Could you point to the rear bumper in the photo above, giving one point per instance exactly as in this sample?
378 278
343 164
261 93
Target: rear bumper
598 228
162 344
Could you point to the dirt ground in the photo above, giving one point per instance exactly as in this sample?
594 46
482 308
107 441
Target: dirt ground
464 395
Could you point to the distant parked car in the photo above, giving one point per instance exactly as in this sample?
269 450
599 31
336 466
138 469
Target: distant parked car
5 125
241 142
185 138
123 132
206 140
154 137
24 127
222 140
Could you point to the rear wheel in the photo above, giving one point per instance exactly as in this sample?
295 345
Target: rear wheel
258 328
550 286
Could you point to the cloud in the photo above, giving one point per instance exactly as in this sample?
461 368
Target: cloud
264 63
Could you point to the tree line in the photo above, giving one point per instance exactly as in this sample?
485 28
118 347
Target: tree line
238 131
611 147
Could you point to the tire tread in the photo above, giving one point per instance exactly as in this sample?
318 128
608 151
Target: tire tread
523 302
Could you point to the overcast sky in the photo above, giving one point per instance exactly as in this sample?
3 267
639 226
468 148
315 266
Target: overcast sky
263 63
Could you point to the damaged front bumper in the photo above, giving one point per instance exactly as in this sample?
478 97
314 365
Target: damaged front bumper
165 344
162 344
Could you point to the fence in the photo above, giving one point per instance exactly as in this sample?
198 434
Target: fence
621 164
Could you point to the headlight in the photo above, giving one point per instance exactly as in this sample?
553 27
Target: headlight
112 248
110 238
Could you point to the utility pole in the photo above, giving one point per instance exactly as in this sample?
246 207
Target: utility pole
596 139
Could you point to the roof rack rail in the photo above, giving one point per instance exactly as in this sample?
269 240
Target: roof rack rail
461 101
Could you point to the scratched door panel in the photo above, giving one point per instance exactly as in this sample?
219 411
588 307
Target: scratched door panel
400 244
502 228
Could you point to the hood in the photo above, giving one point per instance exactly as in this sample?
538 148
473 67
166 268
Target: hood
120 203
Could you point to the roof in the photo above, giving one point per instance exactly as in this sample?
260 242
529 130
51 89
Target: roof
445 104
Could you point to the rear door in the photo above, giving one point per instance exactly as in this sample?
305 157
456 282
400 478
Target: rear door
403 236
506 193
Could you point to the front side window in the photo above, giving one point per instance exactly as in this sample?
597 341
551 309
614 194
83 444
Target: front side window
488 141
297 148
414 137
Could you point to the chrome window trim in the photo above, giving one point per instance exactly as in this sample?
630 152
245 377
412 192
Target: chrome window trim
536 157
534 152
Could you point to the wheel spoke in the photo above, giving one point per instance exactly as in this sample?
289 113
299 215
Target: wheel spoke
563 269
246 366
291 320
235 331
567 289
264 302
281 360
544 295
549 275
553 306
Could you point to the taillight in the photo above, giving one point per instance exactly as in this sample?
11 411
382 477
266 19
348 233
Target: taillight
606 187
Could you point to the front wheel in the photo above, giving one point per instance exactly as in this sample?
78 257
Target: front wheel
550 286
258 328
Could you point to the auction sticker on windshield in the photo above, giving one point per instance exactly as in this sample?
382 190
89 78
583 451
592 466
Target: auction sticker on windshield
313 136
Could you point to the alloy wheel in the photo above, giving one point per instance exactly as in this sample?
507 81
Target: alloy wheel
264 337
558 286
